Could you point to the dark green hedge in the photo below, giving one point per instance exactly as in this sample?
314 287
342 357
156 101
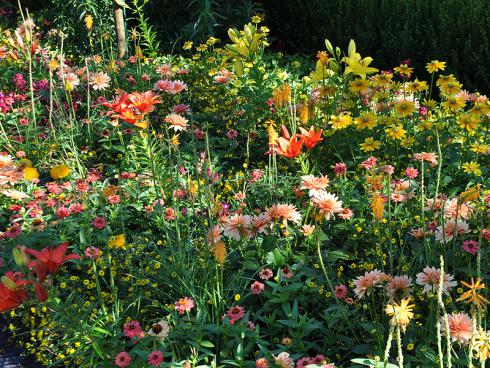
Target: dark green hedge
456 31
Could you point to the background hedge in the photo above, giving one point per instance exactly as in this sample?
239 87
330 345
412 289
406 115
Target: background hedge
456 31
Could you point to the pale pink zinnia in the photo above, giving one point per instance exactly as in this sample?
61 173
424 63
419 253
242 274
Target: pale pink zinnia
470 246
283 360
445 233
429 157
237 227
365 283
184 305
460 327
100 81
399 287
286 212
327 203
265 273
257 287
176 121
313 183
429 279
346 214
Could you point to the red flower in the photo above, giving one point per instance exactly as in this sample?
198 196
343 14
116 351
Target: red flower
49 260
12 292
311 137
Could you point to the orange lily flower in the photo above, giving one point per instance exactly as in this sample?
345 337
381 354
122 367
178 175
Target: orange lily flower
144 102
287 146
311 137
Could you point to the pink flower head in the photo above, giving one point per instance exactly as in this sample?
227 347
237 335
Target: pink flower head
388 169
367 282
257 287
155 358
339 168
62 212
99 223
265 273
429 279
181 109
340 291
369 163
184 305
232 134
486 234
287 273
92 252
399 287
460 327
470 246
123 359
411 172
235 313
283 360
429 157
133 329
262 363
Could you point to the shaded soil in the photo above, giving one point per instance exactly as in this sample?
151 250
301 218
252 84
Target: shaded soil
10 355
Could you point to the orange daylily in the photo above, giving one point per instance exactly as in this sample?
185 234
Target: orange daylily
311 137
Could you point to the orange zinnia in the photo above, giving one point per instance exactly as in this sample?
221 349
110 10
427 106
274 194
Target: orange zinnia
311 137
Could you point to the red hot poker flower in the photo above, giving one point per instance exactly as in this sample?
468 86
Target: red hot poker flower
49 260
311 137
14 294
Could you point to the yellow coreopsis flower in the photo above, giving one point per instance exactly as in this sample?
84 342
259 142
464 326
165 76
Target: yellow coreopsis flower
471 168
443 79
450 88
381 80
187 45
435 65
400 314
454 103
417 86
256 19
367 120
358 85
395 132
59 171
341 121
468 121
370 145
117 241
404 107
404 69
